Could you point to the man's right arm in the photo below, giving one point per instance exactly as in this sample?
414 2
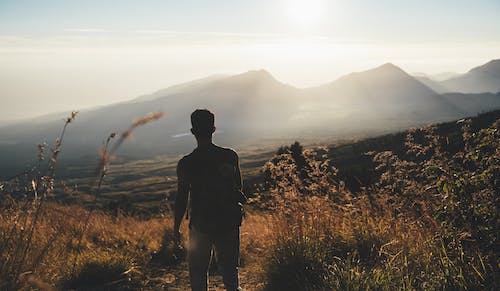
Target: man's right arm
181 199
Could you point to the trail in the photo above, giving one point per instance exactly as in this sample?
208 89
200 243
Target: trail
177 278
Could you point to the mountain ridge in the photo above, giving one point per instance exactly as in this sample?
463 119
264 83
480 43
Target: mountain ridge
480 79
254 105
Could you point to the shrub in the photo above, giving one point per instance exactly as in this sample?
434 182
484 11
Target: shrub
102 271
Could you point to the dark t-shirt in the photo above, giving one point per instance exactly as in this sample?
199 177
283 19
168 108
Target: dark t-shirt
214 180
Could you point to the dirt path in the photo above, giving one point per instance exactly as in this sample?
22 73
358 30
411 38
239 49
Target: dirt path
177 278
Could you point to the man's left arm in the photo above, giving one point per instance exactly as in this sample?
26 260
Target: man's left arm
181 200
238 179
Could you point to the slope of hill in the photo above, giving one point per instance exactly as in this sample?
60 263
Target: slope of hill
358 170
485 78
191 85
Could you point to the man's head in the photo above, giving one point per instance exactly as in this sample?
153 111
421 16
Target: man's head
203 123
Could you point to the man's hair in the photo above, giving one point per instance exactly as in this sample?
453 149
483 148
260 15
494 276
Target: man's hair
202 122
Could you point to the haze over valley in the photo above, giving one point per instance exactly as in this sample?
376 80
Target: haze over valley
254 108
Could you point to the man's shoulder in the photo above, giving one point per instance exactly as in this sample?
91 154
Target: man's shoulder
185 159
229 152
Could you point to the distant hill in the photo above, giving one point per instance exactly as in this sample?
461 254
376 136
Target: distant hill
485 78
482 79
249 107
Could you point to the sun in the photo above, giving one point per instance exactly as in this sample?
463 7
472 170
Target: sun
305 14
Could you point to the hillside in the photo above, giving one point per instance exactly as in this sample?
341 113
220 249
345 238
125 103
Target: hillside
481 79
485 78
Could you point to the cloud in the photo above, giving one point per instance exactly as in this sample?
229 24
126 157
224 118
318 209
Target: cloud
86 30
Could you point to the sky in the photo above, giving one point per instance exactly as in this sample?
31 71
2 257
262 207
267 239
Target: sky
59 55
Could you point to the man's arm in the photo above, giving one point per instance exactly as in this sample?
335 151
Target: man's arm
239 183
181 199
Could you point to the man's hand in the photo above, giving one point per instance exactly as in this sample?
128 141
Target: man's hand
177 237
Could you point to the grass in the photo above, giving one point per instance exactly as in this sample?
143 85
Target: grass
116 251
325 249
56 238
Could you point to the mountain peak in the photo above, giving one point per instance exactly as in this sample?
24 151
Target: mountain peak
388 67
255 76
258 74
387 70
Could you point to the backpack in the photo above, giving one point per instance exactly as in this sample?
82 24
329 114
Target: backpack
216 202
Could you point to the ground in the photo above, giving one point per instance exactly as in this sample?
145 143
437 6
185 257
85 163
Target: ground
177 278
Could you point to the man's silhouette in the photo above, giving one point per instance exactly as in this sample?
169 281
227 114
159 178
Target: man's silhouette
210 177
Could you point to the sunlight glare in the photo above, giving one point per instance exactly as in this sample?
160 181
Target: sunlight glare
305 13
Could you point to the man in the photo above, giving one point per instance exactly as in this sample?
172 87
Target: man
210 176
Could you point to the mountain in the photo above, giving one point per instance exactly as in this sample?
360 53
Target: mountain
250 107
385 96
384 84
485 78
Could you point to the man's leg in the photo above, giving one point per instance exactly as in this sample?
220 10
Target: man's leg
227 248
199 252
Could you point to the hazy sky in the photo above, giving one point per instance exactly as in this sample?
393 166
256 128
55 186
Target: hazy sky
61 55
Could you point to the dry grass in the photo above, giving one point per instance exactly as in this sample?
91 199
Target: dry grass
119 248
326 249
256 238
55 241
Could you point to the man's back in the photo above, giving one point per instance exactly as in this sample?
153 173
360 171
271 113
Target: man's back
212 173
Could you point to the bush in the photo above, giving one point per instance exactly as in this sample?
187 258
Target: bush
103 271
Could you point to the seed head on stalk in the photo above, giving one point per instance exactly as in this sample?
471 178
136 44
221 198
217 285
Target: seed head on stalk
105 157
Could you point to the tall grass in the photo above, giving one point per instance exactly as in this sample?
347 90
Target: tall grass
17 245
131 241
323 249
28 233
